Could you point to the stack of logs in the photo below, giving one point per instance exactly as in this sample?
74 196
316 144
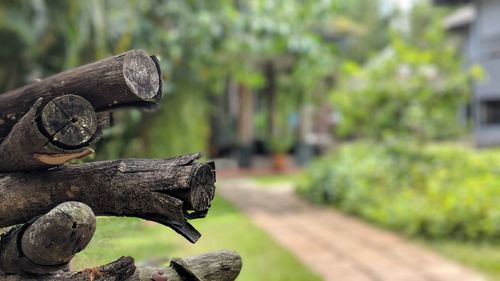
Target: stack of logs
48 207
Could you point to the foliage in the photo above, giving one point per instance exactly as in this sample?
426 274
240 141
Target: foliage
203 46
435 191
226 228
412 89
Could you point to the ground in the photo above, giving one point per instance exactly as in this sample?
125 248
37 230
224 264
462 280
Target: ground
264 259
224 228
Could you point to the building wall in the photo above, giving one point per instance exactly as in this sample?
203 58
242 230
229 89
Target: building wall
483 47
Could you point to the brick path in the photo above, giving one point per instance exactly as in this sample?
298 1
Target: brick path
334 245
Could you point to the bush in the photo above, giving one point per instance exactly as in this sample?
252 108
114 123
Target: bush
436 191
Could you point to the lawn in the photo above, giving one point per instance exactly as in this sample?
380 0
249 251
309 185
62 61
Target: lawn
483 256
270 180
224 228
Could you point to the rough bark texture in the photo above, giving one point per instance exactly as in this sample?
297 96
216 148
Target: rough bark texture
119 270
49 242
51 133
50 208
129 79
217 266
164 191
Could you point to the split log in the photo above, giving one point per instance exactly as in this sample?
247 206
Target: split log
49 242
168 191
51 133
217 266
129 79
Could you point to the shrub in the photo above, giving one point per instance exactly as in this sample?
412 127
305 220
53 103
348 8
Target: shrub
434 191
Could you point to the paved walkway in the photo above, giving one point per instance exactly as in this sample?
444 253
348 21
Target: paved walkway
336 246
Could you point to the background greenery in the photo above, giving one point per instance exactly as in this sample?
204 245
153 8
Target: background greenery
396 80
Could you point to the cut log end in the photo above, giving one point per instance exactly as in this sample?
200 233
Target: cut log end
141 75
68 121
203 190
56 237
48 243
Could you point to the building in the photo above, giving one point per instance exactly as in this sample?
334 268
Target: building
478 21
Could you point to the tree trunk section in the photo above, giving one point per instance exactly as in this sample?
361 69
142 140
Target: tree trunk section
49 242
166 191
129 79
51 133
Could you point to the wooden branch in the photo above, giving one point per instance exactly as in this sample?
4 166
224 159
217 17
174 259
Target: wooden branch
217 266
129 79
49 242
119 270
164 191
51 133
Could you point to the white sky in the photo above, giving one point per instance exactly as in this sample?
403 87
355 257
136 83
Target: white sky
403 4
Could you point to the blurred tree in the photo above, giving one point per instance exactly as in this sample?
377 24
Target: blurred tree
286 51
411 89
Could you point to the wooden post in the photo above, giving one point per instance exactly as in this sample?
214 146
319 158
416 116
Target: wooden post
245 126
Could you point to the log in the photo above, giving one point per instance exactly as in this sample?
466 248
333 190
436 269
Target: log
168 191
49 242
129 79
51 133
119 270
217 266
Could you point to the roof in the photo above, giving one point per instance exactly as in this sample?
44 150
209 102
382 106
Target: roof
462 17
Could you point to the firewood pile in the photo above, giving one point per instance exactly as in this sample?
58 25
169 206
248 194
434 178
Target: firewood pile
49 207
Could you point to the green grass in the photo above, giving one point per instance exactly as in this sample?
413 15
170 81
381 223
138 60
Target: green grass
269 180
483 256
224 228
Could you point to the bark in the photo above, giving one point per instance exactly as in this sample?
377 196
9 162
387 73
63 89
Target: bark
217 266
49 242
129 79
51 133
245 118
168 191
270 90
119 270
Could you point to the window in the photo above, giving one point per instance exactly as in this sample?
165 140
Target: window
490 112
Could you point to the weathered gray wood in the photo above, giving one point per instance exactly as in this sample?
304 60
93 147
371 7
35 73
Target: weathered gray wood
156 190
119 270
129 79
51 133
217 266
49 242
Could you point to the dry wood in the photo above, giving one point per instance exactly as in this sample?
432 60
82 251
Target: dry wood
168 191
51 133
129 79
119 270
49 242
217 266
